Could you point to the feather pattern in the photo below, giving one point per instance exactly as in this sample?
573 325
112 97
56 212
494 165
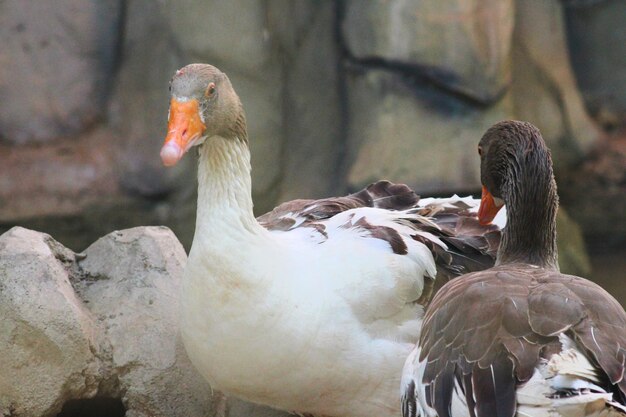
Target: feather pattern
313 307
533 316
519 339
448 227
359 273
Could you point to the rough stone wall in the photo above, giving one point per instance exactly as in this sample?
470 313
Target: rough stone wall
337 93
600 70
98 326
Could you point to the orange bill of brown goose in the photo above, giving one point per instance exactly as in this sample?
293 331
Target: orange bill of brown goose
519 339
314 306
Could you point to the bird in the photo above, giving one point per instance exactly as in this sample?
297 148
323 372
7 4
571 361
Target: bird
521 338
313 307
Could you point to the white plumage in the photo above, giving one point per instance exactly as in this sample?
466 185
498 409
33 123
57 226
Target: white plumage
566 385
300 320
314 307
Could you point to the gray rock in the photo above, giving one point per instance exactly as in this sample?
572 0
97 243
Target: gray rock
461 44
49 340
595 194
58 179
573 258
313 113
102 324
140 102
138 112
434 80
245 409
233 34
131 283
57 60
405 132
597 42
544 90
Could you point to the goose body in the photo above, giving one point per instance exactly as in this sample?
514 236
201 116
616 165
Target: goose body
313 307
519 339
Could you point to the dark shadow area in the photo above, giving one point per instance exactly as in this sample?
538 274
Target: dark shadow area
93 407
608 265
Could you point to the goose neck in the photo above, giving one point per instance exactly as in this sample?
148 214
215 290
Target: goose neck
531 198
225 186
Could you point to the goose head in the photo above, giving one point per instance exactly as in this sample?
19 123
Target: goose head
203 105
516 171
513 156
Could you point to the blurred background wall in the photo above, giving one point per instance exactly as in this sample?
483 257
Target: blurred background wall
337 93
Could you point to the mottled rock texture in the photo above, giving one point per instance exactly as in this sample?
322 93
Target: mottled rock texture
596 34
461 44
337 93
50 342
418 136
56 66
544 89
595 193
96 325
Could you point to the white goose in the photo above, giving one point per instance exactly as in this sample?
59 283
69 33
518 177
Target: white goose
314 307
519 339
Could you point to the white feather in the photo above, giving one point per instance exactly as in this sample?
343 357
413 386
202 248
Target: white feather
566 385
566 371
300 320
473 203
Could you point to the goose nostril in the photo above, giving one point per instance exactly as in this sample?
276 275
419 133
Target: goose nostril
184 132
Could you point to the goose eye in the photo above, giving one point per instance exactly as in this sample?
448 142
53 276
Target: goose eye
210 90
480 151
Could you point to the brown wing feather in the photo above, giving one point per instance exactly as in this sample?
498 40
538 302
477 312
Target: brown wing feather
494 387
381 194
470 246
279 218
496 325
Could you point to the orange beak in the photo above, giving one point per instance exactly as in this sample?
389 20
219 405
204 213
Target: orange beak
488 207
184 129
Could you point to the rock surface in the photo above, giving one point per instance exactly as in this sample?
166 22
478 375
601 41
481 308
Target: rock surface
573 258
130 281
56 65
139 103
596 33
75 175
101 324
50 341
462 44
544 89
398 129
595 192
322 82
313 145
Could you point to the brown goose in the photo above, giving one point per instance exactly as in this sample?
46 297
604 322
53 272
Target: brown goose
313 307
519 339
